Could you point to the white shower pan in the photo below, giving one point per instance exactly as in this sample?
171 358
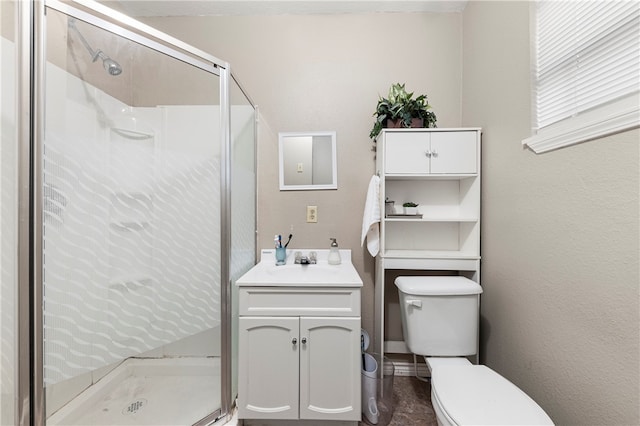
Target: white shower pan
148 391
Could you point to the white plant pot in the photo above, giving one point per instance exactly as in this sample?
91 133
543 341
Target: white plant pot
410 210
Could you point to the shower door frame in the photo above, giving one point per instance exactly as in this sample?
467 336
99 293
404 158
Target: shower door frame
30 398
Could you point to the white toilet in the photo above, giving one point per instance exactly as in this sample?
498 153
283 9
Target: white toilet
440 321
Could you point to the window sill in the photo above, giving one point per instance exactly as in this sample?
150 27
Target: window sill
618 116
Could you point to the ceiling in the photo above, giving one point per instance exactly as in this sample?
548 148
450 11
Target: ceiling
138 8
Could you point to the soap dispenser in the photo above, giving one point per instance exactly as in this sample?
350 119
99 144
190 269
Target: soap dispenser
334 253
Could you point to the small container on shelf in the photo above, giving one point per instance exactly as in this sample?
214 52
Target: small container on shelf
410 208
389 207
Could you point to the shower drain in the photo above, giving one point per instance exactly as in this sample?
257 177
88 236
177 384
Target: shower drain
135 406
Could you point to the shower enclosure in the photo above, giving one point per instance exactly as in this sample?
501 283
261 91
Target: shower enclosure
129 228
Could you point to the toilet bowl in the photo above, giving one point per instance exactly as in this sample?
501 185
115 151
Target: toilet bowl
440 321
467 394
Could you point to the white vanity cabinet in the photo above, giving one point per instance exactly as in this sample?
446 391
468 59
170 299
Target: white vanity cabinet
299 368
439 169
299 344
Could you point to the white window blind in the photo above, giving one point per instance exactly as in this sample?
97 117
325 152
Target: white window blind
587 70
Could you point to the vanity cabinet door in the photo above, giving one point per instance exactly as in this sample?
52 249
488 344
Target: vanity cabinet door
330 368
268 370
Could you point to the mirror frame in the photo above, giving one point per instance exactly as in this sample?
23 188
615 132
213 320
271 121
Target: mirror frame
334 164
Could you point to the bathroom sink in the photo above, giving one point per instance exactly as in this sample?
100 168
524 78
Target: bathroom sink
267 273
304 269
306 273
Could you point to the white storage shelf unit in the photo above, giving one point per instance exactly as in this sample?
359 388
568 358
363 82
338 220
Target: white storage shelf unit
439 169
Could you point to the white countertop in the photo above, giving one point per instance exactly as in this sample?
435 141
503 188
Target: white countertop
267 274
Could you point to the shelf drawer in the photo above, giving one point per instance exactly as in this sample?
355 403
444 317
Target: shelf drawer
315 301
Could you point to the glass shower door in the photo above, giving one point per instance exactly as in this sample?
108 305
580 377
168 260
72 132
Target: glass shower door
8 214
243 206
131 194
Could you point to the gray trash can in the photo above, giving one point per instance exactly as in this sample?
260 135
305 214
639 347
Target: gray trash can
377 389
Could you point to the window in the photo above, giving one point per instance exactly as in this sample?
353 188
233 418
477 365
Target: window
587 71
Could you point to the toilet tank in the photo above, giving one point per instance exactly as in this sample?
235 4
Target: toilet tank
439 314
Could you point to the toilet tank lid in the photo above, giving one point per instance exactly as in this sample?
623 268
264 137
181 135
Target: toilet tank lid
437 285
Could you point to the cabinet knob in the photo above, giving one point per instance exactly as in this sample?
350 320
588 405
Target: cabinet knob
428 153
304 340
434 153
294 341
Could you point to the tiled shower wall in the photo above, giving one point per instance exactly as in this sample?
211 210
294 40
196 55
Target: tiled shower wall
131 226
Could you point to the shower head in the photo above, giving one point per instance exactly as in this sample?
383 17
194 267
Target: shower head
110 65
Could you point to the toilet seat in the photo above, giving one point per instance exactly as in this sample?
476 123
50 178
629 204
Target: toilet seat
477 395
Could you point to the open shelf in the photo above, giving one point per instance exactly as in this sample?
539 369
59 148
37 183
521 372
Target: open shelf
432 219
435 254
441 200
424 176
449 236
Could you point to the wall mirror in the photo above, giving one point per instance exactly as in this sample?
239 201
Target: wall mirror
308 161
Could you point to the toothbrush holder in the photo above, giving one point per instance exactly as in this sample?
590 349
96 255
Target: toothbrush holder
281 255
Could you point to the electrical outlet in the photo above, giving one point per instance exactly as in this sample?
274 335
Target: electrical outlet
312 214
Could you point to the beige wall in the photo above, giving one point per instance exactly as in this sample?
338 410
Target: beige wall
559 239
325 72
560 230
7 20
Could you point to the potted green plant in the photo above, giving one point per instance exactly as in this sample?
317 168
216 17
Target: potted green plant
410 208
401 109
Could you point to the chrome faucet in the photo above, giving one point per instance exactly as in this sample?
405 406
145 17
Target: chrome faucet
312 259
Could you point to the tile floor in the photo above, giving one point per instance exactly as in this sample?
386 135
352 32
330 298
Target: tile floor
412 400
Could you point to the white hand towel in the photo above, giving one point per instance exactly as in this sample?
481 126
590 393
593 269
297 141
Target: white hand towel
371 217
